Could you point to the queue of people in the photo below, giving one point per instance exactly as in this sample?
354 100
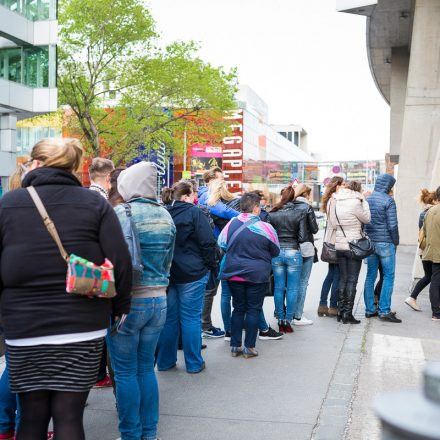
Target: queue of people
142 275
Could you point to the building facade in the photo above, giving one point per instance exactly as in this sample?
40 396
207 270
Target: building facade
28 30
403 46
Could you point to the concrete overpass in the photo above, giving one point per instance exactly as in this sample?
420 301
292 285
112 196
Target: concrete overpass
403 44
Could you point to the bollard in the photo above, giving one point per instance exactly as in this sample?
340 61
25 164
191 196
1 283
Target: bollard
412 415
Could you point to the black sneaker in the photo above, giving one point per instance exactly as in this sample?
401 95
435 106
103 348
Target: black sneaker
390 317
371 315
270 333
204 346
227 336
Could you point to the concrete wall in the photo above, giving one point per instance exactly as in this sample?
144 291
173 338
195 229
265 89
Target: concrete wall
421 123
399 78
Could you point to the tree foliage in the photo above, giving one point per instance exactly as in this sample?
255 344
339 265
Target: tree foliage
125 90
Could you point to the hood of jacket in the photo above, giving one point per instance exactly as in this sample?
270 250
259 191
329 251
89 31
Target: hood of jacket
345 194
49 176
179 207
202 190
384 183
139 180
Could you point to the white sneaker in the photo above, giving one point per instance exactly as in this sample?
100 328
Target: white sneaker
413 304
302 321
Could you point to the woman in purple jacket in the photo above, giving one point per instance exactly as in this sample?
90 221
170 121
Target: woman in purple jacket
250 245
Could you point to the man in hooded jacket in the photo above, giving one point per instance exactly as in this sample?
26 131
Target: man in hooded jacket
383 231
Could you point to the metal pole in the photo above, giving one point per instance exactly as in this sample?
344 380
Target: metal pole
184 150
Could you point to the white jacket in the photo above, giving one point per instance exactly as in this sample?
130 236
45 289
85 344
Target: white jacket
353 211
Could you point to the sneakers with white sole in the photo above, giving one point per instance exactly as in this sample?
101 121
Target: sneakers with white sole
302 321
413 304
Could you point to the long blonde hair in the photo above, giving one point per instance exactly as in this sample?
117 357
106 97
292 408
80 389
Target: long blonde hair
65 153
218 191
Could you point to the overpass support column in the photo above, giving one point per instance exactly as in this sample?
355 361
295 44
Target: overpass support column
421 122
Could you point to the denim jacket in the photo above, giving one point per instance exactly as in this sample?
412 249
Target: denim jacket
156 235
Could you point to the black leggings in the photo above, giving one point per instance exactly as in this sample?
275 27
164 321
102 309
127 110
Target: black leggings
349 269
66 408
423 282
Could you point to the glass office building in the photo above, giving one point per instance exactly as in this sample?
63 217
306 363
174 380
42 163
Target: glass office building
28 37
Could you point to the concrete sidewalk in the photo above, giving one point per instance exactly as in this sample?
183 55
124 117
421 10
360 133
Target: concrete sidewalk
394 354
317 383
280 394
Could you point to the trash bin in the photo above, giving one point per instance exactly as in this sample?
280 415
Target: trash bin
412 415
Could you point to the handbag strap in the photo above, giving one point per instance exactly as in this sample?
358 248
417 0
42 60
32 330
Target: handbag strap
339 223
240 229
50 225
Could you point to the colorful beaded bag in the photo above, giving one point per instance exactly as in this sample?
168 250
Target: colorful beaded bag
83 276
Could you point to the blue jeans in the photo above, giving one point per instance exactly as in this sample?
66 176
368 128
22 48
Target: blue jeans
9 410
386 254
306 270
286 273
331 281
132 351
225 305
185 303
247 299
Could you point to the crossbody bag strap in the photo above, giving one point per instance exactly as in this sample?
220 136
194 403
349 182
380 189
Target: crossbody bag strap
50 226
339 223
240 229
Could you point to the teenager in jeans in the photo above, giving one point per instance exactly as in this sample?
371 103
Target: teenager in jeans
384 233
250 245
290 227
133 346
429 199
194 257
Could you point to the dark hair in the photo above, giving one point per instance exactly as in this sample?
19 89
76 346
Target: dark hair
193 182
287 195
113 195
249 201
354 185
330 189
259 193
100 167
178 190
210 174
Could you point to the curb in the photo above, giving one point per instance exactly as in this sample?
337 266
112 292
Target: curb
334 415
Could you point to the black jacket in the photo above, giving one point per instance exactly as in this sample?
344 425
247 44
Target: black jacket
34 301
295 223
195 248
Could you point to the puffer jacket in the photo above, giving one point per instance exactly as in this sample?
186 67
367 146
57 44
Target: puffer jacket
156 236
295 223
383 227
348 212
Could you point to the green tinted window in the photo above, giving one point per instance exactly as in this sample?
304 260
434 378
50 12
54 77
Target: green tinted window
32 9
30 66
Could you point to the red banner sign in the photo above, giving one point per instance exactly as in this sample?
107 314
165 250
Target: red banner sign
233 152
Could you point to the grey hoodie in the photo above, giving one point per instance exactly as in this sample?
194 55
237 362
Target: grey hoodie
139 180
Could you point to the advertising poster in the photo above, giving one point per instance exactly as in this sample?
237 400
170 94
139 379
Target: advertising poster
204 157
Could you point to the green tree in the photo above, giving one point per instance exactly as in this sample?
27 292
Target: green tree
124 90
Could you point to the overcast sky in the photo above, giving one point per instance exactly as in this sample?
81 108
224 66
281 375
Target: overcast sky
307 61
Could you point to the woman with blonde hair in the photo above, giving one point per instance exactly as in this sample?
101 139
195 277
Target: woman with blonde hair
428 199
54 339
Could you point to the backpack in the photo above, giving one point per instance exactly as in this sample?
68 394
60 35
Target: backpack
131 236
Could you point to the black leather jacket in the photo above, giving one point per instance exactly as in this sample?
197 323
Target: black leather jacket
295 223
